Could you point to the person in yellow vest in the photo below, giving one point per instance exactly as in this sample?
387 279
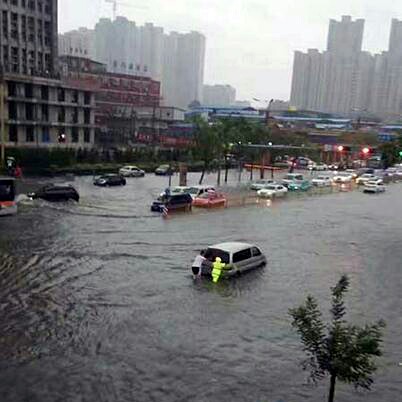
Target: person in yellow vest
217 268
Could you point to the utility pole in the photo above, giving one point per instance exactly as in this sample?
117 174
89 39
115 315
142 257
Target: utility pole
2 125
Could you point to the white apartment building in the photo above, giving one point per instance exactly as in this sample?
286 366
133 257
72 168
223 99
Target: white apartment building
344 79
175 59
219 95
79 42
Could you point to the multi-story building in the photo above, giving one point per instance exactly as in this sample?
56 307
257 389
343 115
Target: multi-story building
47 112
387 81
218 95
78 42
175 59
39 108
337 80
127 106
28 40
344 79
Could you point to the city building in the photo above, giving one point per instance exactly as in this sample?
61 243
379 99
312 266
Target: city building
47 112
346 80
39 109
387 80
174 59
78 42
219 95
337 80
128 107
28 40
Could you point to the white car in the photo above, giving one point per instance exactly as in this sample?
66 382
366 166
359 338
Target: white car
322 181
374 186
260 184
353 172
292 178
319 167
364 178
342 177
272 190
131 171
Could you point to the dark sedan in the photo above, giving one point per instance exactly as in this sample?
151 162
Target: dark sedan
110 180
56 192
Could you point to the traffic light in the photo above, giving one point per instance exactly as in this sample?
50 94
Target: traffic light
366 150
400 154
340 148
62 138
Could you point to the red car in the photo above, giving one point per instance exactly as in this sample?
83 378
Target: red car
210 199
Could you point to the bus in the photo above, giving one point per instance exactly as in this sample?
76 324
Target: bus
8 204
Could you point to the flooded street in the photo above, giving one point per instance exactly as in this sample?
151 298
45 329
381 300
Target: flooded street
97 302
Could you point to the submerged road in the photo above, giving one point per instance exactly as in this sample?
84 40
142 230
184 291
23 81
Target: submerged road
97 302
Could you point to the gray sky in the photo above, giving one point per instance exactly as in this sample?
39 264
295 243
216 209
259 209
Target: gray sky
250 43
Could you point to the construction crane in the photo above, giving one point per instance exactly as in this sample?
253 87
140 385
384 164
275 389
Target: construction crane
115 3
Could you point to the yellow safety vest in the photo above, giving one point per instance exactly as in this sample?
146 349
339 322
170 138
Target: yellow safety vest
217 268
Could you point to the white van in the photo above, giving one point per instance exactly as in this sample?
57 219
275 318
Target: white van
238 257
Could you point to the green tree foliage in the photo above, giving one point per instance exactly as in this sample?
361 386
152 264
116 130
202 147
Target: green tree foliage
339 350
390 152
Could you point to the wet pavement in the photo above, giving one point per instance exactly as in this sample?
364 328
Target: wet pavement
97 302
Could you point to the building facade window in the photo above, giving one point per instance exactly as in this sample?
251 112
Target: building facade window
87 116
13 133
45 135
45 112
44 92
87 135
74 135
29 134
12 111
87 98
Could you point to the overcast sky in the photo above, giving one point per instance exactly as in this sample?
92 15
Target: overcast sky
250 43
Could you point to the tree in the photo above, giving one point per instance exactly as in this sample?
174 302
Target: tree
206 144
338 350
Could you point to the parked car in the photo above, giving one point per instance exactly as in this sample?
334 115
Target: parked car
259 184
342 177
364 178
56 192
110 180
363 171
238 257
291 178
197 191
131 171
272 191
319 167
375 186
163 170
210 199
353 172
299 185
322 181
174 202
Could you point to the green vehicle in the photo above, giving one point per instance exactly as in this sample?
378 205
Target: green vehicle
299 185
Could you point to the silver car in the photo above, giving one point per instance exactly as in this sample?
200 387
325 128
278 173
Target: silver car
238 257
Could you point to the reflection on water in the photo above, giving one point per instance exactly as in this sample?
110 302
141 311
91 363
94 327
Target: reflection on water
97 301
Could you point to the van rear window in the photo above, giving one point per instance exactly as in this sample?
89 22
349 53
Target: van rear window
242 255
212 253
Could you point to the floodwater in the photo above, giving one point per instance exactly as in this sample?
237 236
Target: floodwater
97 302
